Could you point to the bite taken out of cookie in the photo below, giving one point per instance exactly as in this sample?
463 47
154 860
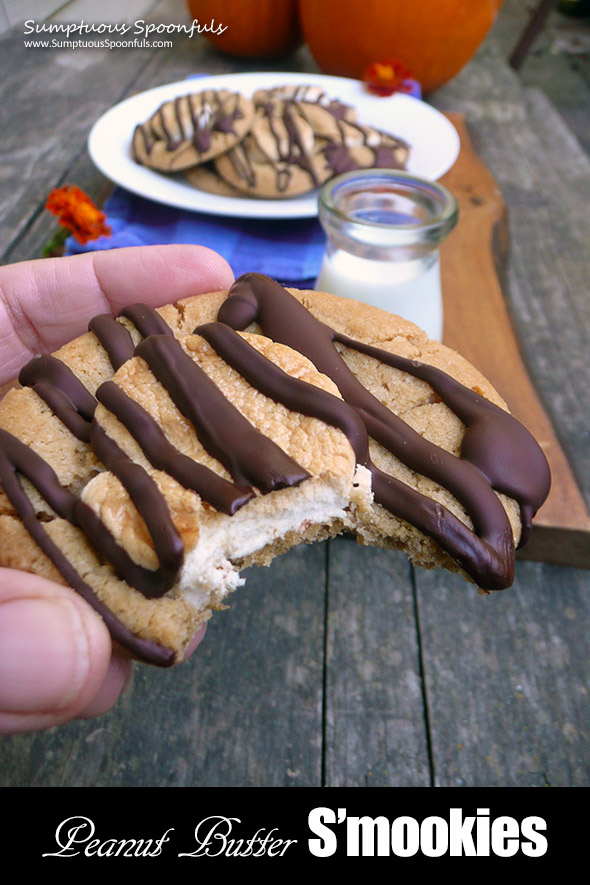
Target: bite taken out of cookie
147 462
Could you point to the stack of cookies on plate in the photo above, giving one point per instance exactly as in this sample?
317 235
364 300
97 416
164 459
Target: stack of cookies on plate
283 142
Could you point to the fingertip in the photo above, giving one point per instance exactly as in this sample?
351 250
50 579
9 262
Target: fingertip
117 681
158 275
45 303
214 271
55 653
195 641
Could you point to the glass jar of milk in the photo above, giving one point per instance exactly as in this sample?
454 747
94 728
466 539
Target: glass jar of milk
384 228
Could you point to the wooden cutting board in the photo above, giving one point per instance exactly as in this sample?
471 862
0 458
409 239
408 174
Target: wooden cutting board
477 325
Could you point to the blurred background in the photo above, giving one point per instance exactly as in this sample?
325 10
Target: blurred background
558 61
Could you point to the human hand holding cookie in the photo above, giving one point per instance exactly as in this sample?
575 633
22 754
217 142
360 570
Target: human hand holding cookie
149 460
56 660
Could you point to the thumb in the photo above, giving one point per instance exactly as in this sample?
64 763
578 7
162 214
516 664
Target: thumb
55 655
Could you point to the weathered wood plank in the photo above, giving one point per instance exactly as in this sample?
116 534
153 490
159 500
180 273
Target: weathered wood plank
246 710
477 324
50 97
559 62
376 732
543 174
507 678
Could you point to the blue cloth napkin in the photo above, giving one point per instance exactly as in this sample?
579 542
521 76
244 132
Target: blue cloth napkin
289 251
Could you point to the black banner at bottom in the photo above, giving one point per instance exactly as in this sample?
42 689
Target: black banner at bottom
180 828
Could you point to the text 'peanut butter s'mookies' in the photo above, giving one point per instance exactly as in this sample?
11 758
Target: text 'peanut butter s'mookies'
148 461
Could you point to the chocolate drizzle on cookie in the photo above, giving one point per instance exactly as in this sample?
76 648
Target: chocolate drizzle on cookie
251 458
213 115
383 152
346 144
297 153
62 391
345 135
18 458
114 337
497 454
217 491
284 140
192 118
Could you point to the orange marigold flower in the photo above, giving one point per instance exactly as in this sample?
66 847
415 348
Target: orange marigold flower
77 212
388 76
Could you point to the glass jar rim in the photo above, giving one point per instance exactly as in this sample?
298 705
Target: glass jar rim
441 221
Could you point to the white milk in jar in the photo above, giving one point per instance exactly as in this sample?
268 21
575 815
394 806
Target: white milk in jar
383 228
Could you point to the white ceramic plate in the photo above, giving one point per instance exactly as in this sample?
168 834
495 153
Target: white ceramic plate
433 139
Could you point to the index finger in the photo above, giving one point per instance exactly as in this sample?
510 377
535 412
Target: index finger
47 302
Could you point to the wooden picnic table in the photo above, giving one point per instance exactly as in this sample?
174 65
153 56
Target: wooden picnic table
341 665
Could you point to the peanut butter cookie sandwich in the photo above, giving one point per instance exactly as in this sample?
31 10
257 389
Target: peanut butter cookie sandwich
147 462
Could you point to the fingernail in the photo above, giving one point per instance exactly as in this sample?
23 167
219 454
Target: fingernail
195 641
128 684
44 655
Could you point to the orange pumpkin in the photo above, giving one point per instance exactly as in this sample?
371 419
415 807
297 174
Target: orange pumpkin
434 38
255 28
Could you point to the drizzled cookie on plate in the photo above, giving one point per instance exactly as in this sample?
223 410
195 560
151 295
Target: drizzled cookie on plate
282 143
192 129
